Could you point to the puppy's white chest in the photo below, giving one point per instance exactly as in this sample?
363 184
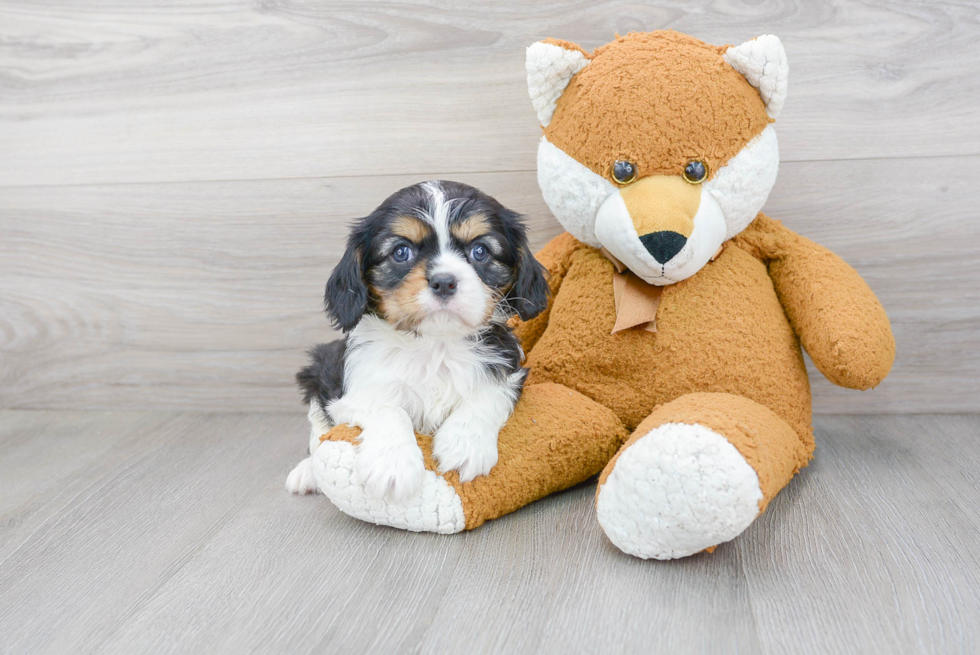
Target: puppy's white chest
435 379
426 376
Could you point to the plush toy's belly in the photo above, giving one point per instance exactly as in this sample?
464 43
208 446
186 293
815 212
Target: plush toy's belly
722 330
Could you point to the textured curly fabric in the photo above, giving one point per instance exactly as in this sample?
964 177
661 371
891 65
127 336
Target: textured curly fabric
556 438
838 318
658 99
763 63
550 65
723 330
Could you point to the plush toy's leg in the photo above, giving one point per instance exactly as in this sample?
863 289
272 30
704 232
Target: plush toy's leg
556 438
695 474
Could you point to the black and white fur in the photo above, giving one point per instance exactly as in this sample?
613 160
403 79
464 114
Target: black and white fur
417 355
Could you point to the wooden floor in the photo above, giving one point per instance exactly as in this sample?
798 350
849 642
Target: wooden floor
161 532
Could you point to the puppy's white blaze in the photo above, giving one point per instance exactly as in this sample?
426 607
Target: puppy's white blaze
614 228
438 218
466 310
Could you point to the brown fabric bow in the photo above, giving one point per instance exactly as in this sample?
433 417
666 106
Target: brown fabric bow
636 300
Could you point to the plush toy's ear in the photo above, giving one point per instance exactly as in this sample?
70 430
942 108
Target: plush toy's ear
550 65
346 297
763 63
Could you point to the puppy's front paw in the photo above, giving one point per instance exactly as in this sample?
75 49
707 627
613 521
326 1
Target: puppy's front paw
391 472
300 480
471 452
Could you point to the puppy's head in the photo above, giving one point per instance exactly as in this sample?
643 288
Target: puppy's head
437 257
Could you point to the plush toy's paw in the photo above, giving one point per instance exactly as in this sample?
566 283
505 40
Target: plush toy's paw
437 508
389 471
301 480
676 491
472 452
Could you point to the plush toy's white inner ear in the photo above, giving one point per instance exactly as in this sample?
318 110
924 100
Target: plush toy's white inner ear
549 69
763 63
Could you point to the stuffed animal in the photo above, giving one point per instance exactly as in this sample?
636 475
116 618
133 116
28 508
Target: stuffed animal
669 358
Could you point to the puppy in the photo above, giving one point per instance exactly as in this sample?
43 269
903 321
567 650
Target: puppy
423 293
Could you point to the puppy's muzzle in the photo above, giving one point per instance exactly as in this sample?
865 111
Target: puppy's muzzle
443 285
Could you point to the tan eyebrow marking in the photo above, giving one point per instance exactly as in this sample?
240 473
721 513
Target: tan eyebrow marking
471 227
411 228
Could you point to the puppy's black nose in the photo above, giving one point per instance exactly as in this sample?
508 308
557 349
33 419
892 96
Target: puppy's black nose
663 245
443 284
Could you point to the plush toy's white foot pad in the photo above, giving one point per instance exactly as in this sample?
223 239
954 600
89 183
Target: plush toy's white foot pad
676 491
437 509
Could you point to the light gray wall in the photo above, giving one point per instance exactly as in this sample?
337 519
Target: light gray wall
175 182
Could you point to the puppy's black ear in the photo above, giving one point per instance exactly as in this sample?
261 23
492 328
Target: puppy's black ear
346 298
529 296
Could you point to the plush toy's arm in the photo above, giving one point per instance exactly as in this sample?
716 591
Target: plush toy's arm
555 257
836 315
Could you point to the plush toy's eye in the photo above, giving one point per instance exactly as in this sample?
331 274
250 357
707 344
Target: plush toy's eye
479 252
403 254
623 171
695 172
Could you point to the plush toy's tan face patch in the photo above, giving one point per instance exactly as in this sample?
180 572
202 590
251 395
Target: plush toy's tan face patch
658 100
662 203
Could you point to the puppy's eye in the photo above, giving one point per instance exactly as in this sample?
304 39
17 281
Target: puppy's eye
695 172
403 254
623 171
479 252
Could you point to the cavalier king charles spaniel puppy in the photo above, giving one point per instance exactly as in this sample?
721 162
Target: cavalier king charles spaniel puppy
423 294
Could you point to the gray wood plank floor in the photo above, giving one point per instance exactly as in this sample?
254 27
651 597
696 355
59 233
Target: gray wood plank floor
170 533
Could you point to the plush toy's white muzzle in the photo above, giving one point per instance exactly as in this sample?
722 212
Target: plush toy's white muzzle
679 258
592 209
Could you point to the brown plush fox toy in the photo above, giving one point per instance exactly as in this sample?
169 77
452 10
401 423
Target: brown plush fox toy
669 357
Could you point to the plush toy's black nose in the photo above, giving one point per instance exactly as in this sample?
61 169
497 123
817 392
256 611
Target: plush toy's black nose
443 284
663 245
